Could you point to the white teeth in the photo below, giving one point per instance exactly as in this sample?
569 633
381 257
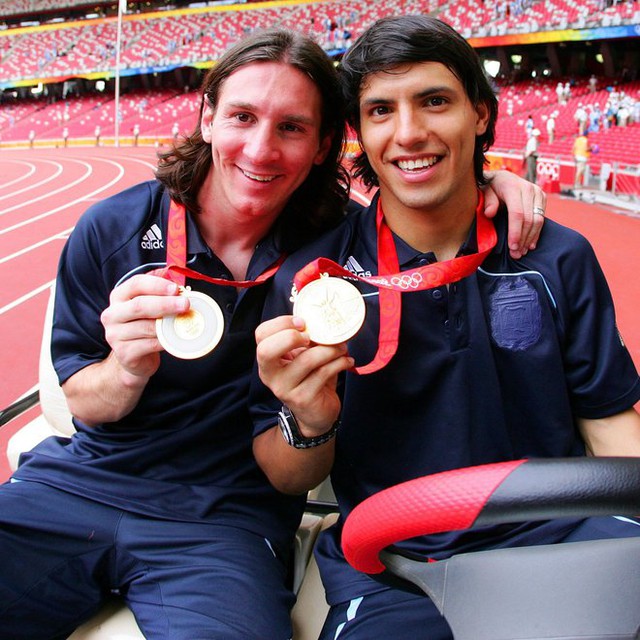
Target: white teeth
421 163
258 178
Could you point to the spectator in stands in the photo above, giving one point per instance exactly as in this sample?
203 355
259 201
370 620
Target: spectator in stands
593 84
581 153
551 126
560 93
609 118
469 383
635 110
531 155
581 118
622 117
529 125
595 116
158 496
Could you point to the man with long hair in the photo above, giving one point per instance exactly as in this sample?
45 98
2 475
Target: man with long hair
157 497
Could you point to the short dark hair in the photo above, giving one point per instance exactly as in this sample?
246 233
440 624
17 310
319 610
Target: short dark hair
319 201
408 39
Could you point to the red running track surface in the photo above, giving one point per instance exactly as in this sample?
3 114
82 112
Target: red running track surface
42 194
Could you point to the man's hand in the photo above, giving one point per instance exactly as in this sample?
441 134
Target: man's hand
130 321
301 374
107 391
526 204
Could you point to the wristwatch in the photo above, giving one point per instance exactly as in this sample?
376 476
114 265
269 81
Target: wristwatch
291 431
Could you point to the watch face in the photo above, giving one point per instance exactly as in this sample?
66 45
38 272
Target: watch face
332 308
195 332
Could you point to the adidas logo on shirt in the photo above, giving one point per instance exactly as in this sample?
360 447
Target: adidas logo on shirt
152 239
356 268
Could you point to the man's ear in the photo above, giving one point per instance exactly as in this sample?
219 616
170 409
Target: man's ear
482 118
323 149
205 121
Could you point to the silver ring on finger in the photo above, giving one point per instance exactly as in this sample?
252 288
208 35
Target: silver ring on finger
538 211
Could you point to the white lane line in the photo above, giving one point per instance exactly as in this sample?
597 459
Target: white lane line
32 186
32 170
63 235
26 297
44 196
83 198
360 197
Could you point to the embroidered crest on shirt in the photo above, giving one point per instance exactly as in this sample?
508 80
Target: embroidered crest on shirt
515 314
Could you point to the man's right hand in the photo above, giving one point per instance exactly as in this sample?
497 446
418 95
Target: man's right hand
130 321
301 374
107 391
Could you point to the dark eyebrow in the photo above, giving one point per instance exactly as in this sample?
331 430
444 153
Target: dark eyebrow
292 117
425 93
431 91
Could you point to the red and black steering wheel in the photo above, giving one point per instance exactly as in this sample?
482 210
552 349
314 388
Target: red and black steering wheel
568 591
504 492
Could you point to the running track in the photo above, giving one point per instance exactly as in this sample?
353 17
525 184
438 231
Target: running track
44 191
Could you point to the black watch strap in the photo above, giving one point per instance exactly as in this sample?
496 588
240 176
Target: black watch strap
291 431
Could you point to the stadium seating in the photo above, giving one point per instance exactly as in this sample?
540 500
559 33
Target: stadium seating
194 36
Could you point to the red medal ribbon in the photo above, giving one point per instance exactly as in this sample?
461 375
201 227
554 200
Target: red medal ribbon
176 269
392 282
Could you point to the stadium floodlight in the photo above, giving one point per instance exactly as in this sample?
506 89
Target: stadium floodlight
492 67
122 8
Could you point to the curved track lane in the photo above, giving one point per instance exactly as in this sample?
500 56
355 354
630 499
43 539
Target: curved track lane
42 194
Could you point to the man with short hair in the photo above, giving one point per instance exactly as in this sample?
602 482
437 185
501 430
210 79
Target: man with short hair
466 355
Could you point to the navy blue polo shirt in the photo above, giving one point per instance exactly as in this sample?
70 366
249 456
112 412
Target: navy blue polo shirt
185 452
492 368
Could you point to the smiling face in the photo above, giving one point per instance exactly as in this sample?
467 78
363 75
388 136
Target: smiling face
265 138
418 129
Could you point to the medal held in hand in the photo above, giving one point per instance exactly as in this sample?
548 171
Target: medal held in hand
332 308
391 282
198 331
195 332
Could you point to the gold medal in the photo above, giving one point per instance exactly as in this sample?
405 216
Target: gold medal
332 308
194 333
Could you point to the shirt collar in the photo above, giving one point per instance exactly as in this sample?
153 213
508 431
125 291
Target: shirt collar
407 254
266 251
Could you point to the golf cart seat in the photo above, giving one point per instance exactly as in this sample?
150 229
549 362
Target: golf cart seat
578 590
115 621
